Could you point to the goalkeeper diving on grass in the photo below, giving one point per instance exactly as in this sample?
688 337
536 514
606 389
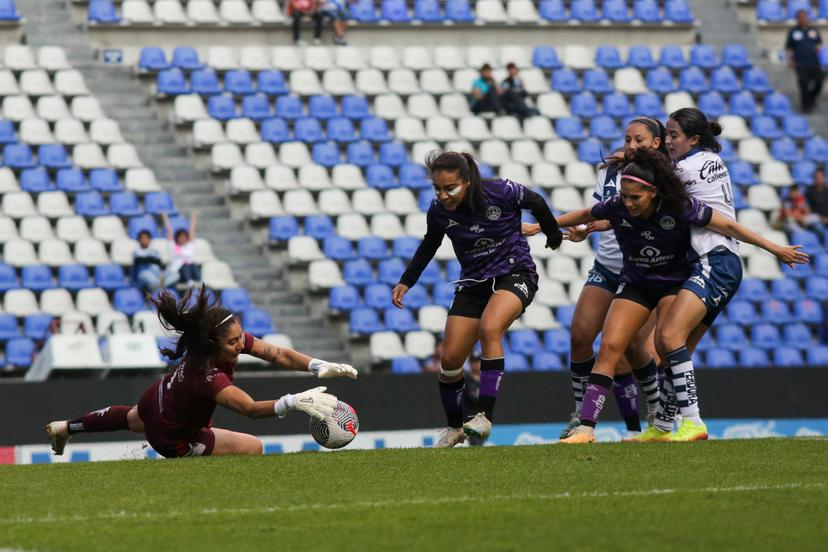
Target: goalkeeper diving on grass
175 412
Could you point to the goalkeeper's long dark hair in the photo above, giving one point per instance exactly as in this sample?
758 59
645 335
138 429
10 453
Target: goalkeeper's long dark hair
466 168
199 320
656 168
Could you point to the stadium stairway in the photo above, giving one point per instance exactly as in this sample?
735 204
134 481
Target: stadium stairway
125 99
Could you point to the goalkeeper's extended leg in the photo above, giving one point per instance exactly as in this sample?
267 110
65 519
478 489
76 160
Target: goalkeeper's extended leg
111 418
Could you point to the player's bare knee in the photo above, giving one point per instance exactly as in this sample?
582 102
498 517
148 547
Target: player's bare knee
450 361
667 340
490 333
134 421
581 339
611 349
255 447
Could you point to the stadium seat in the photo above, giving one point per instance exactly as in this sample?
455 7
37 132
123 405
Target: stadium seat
787 357
20 352
405 365
110 277
817 356
37 277
720 358
584 11
616 11
753 357
646 11
364 320
102 11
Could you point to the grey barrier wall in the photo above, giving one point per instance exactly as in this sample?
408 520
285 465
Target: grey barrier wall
389 402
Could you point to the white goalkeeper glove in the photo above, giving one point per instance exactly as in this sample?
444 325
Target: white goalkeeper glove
313 402
324 369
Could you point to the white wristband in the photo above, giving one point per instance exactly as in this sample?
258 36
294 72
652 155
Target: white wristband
314 365
284 405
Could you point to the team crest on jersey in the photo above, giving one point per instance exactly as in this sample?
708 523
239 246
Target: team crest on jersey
667 222
493 212
647 235
477 229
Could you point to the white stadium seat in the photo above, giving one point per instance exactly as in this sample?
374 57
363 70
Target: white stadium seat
123 156
387 226
352 226
417 58
432 318
35 82
76 322
348 177
20 302
580 174
578 57
551 294
52 58
202 12
628 80
267 11
70 132
141 180
169 12
36 229
519 55
113 323
450 58
539 317
52 108
677 100
403 82
18 57
566 199
235 12
384 58
420 344
324 274
314 177
256 58
371 82
54 204
409 129
763 266
775 173
8 84
147 322
105 132
207 132
8 230
422 106
415 225
93 301
334 202
222 58
87 109
491 11
454 106
70 83
538 128
242 131
494 152
477 56
318 58
473 129
534 81
122 250
299 203
441 129
763 197
507 127
547 175
350 58
303 249
734 127
522 11
18 205
280 178
752 150
463 79
260 155
389 106
294 154
218 275
286 58
35 132
435 81
753 219
137 12
338 82
56 302
401 201
108 229
91 252
72 228
553 105
305 82
385 346
226 156
54 252
244 180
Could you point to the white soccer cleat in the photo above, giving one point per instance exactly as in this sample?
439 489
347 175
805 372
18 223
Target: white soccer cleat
479 426
580 435
450 437
574 421
58 433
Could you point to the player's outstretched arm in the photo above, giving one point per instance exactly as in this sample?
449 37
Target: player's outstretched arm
294 360
543 214
788 254
313 402
236 399
575 218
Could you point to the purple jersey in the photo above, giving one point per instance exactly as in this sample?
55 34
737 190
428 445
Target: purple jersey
492 244
657 249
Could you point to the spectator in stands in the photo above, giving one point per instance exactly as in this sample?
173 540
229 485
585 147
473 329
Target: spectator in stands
147 267
486 93
802 48
514 95
433 363
817 196
335 11
182 267
297 9
796 214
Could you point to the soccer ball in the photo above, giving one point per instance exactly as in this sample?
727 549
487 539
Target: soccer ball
338 429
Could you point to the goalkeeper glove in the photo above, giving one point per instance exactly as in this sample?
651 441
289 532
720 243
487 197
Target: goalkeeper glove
313 402
324 369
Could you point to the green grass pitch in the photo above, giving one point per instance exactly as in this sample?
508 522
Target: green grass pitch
721 495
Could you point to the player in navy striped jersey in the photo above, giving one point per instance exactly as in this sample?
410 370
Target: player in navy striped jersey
651 217
482 218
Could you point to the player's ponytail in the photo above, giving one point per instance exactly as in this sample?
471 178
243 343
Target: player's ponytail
466 167
197 318
656 168
694 123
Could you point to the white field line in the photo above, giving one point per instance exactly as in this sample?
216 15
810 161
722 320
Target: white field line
139 516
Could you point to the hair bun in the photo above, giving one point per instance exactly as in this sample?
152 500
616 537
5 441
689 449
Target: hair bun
715 128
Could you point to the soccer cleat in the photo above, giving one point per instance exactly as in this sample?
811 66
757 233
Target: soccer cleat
690 431
479 426
574 421
650 435
580 435
450 437
631 436
58 433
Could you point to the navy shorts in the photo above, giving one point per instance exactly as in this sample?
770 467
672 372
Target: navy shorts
471 301
602 277
714 279
645 294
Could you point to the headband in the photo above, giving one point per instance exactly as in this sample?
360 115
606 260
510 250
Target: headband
655 126
636 179
225 319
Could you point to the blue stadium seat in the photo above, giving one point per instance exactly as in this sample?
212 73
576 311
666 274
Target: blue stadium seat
275 131
660 80
725 80
374 129
692 80
765 336
809 241
272 83
598 81
205 82
36 326
640 57
257 322
552 10
355 107
785 150
186 58
308 130
319 226
110 277
393 154
172 82
775 311
617 105
35 181
799 272
515 362
678 11
603 127
377 296
817 288
8 327
821 265
608 57
647 11
222 108
797 335
20 352
738 199
343 299
256 107
444 294
239 82
770 10
736 56
90 204
704 56
564 314
380 176
741 173
372 247
545 361
417 298
787 357
556 341
570 128
157 203
413 175
731 336
71 181
453 270
360 153
74 277
802 172
125 204
128 300
152 58
102 11
400 320
815 149
390 270
8 134
754 290
782 290
797 127
720 358
143 223
53 156
341 129
565 81
777 105
338 248
289 107
525 342
753 357
36 277
8 11
395 11
8 277
616 11
545 57
18 156
591 151
428 11
326 154
672 57
796 5
459 11
322 107
743 104
817 355
727 154
584 11
742 313
756 80
431 274
363 11
405 365
583 105
764 126
282 228
358 272
364 320
649 105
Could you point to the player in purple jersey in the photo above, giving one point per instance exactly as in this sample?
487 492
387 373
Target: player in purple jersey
651 217
482 218
175 412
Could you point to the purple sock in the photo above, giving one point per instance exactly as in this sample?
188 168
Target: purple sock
451 395
491 372
626 395
594 398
